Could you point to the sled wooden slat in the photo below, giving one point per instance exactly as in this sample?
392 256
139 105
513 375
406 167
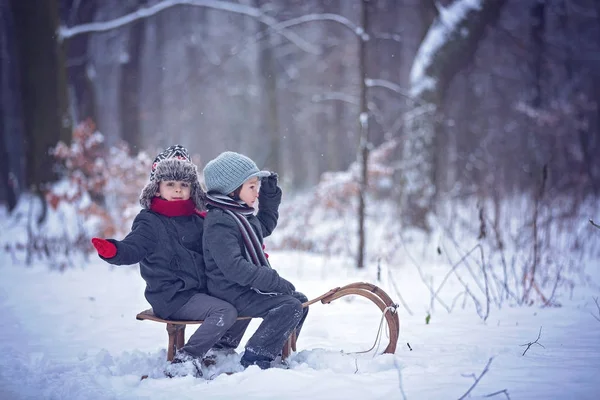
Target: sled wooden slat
176 329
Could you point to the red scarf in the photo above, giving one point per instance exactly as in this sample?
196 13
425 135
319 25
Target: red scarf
175 208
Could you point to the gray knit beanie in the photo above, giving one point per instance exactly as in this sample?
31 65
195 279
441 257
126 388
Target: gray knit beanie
229 171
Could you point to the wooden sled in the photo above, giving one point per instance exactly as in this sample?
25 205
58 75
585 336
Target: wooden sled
176 329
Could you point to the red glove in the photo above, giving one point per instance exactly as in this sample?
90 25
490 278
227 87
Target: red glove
105 248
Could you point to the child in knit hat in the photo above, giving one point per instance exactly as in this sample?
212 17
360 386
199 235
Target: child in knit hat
166 240
237 268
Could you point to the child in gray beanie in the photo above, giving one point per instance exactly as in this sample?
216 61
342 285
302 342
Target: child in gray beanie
237 268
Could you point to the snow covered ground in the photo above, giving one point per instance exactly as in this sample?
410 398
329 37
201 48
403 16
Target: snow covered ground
73 335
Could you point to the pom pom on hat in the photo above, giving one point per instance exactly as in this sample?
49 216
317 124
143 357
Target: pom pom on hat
176 151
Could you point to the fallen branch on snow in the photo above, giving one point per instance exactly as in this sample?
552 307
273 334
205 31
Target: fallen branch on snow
597 306
534 342
477 379
399 377
497 393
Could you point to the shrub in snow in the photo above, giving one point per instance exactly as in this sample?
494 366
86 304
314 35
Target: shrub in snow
96 195
104 183
325 220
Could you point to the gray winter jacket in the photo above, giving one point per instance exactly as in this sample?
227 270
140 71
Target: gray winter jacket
173 270
229 274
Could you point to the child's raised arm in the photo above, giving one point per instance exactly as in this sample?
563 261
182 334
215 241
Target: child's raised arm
268 206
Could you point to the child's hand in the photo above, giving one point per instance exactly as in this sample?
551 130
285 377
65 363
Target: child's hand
285 286
269 183
104 248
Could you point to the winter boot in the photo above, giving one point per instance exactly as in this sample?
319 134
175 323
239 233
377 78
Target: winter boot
213 356
184 364
249 359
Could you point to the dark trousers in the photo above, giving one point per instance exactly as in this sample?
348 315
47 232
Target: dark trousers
218 317
281 314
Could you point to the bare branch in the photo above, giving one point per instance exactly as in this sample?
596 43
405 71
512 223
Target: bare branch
338 96
391 278
534 342
399 378
477 379
497 393
320 17
422 275
65 32
394 87
594 224
597 306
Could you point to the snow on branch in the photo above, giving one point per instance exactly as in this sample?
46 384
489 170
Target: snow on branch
65 32
320 17
394 87
445 27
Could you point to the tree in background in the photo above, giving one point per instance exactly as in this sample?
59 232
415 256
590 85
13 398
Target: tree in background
43 87
11 130
448 46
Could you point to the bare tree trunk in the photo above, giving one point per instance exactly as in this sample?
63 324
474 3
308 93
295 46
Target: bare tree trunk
538 24
130 89
81 91
269 108
363 148
444 51
43 86
11 147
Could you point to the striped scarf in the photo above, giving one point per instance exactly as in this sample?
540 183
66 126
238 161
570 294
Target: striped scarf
253 249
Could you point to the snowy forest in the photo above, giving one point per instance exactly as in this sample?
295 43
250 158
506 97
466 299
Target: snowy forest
425 105
285 82
446 151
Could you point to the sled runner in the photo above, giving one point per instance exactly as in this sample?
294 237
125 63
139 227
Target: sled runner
176 329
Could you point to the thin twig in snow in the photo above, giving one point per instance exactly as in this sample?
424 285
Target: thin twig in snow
422 275
553 293
456 299
497 393
594 224
400 377
534 342
391 278
484 288
598 306
477 379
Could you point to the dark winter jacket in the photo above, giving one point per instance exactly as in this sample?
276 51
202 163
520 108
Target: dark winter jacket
229 274
169 250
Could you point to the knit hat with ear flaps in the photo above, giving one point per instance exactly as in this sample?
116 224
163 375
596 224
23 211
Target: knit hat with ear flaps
173 164
229 171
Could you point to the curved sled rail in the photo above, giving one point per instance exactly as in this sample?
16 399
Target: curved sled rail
176 329
377 296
